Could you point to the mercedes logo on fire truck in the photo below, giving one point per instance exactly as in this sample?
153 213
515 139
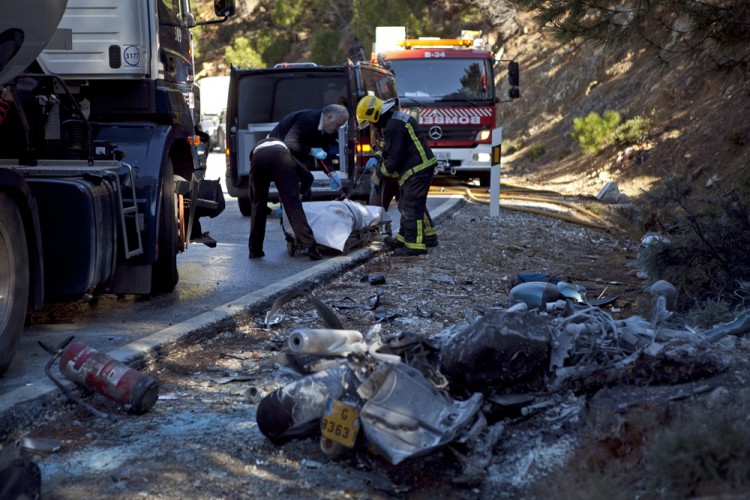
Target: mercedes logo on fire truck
435 133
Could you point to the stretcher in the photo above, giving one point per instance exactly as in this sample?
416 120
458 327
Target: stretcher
340 225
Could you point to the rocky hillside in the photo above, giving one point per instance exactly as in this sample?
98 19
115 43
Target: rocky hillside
698 111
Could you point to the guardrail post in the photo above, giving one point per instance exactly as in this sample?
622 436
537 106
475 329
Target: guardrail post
497 139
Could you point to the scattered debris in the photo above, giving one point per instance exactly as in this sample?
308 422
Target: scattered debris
408 395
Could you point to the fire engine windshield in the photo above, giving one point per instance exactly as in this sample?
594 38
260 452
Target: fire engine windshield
444 79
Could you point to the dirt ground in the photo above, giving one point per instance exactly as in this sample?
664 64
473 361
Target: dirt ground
201 440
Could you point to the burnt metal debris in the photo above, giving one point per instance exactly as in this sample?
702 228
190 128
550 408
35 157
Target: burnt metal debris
409 394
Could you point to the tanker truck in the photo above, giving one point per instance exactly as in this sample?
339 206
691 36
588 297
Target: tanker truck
98 114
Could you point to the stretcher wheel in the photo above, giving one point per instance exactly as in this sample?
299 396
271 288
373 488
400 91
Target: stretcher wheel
290 248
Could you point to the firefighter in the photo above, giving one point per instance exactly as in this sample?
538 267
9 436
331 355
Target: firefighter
281 158
408 159
382 191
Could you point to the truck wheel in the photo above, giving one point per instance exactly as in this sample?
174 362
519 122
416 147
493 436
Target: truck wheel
244 204
164 275
14 279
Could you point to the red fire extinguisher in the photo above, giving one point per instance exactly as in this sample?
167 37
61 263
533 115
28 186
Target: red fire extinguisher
107 376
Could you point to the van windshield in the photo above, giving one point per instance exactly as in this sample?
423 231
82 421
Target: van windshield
444 79
267 98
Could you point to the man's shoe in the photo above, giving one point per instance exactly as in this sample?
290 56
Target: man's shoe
408 252
205 239
313 253
393 243
256 255
431 242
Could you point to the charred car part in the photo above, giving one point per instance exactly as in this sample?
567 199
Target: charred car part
405 416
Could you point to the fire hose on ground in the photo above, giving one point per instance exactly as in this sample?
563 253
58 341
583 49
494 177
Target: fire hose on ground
599 224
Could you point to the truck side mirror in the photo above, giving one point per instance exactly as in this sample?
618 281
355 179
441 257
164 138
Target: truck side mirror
513 79
224 8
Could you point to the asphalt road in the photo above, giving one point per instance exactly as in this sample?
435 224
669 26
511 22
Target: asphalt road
214 284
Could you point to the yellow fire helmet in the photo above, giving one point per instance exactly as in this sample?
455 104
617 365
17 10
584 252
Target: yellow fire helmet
369 109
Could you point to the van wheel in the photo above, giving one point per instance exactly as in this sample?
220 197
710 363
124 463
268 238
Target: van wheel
164 275
14 279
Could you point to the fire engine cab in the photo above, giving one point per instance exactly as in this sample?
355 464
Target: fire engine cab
449 86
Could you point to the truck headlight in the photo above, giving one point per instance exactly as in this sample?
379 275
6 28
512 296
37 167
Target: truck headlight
484 135
482 157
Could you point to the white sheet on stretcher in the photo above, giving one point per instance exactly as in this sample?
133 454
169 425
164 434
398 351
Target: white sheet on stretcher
333 222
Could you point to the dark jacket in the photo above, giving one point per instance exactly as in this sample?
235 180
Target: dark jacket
405 152
299 131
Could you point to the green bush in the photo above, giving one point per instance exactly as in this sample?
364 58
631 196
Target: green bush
594 132
324 48
536 151
264 48
371 13
242 55
632 131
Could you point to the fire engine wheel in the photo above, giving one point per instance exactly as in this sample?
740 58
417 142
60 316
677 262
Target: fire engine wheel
14 279
164 275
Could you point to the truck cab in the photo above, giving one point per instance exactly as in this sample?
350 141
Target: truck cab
260 98
98 119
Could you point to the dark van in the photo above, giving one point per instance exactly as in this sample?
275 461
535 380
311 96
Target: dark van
259 98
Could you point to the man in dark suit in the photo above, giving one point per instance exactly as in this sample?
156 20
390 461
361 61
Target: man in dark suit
285 158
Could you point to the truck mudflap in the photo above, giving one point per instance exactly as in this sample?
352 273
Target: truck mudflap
79 225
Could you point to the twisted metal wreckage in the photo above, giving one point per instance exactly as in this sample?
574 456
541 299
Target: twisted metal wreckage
410 394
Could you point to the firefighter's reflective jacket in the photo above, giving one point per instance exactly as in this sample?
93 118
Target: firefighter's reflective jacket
405 153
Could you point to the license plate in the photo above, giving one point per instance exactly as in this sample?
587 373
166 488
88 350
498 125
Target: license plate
340 423
442 155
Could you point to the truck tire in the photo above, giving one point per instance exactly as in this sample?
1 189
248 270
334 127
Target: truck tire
14 279
164 275
245 207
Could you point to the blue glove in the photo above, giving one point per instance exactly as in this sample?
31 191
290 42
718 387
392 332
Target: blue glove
371 164
334 181
319 153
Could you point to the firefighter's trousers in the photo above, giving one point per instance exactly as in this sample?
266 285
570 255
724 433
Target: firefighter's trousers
412 205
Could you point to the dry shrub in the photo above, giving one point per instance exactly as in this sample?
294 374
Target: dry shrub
703 452
703 247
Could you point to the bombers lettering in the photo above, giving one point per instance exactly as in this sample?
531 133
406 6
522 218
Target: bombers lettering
450 120
463 116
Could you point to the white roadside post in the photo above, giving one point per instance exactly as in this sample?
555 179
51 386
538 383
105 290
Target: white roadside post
497 139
